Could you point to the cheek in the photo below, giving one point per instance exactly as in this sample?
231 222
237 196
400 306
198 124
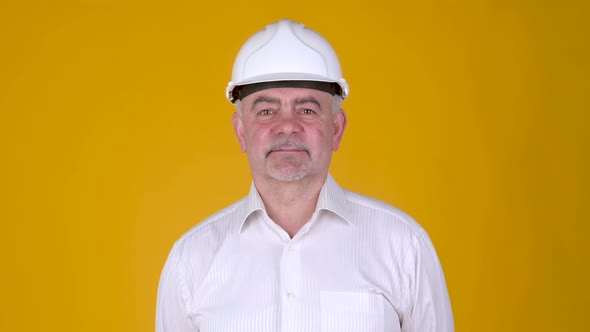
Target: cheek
256 138
322 141
326 135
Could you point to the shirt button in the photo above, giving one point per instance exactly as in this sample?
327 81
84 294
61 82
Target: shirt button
291 247
290 295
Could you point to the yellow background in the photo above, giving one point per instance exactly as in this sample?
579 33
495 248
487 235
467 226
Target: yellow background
115 139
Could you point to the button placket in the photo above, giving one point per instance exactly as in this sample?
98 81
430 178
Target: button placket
291 269
290 285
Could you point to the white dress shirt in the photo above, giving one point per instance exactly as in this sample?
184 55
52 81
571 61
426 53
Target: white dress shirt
357 265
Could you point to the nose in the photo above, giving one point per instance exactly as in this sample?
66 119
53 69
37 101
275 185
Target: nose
287 124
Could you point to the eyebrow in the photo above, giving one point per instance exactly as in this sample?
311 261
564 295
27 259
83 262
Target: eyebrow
265 99
277 101
306 100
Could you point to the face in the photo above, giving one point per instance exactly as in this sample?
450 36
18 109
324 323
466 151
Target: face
289 133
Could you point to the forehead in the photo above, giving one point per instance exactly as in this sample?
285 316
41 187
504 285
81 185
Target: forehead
288 96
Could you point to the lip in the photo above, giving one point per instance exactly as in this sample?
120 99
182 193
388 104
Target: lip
287 150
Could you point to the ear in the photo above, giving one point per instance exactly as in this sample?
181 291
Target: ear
339 126
239 130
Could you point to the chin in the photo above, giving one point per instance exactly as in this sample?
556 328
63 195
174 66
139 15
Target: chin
288 176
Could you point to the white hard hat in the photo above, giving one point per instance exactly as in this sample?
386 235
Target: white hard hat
286 54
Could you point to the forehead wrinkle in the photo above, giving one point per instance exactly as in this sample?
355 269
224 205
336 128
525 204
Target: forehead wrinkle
266 99
286 100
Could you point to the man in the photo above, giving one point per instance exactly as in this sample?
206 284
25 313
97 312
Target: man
299 253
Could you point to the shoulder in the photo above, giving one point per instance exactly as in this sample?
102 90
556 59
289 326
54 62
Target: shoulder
366 211
213 231
391 228
194 252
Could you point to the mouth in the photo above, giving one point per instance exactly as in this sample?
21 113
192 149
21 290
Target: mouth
287 148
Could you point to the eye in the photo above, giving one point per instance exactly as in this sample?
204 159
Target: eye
265 112
307 111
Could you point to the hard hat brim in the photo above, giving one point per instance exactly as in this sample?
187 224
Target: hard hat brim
285 77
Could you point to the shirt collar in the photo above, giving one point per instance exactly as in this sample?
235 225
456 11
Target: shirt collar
332 198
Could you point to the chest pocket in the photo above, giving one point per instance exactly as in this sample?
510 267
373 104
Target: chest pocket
357 311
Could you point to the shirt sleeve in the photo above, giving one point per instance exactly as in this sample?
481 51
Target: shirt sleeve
171 309
431 307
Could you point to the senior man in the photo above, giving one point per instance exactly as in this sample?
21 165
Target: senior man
299 253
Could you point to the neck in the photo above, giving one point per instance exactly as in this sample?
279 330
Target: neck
290 204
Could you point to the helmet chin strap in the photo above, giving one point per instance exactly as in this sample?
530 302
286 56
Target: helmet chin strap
241 92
